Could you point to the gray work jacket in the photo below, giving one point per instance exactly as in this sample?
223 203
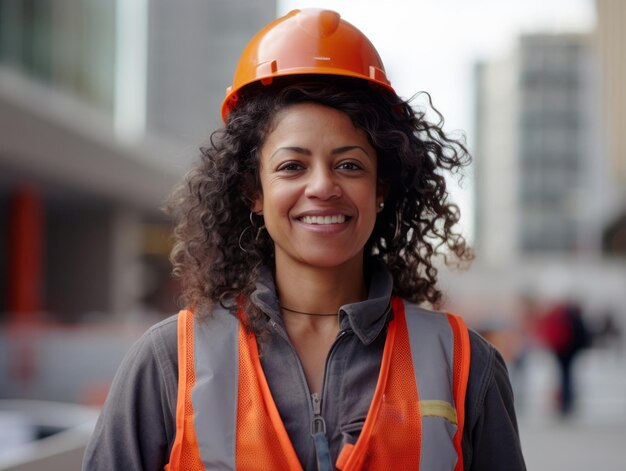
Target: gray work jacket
136 428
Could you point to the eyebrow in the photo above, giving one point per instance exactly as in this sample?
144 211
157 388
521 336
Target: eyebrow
304 151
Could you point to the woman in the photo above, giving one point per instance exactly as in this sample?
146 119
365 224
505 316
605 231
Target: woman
306 239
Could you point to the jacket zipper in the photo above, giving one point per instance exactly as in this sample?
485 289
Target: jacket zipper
318 424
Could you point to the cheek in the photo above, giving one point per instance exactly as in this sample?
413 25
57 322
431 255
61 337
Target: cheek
368 196
278 199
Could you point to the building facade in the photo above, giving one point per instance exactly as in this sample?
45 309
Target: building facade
610 39
102 107
536 154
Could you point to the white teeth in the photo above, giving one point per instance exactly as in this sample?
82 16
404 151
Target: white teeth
337 219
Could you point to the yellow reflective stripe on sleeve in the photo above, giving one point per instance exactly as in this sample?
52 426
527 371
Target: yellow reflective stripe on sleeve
436 408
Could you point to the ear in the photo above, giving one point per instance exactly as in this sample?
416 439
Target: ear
257 204
381 193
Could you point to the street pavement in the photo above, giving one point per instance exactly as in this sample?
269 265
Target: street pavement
574 446
593 438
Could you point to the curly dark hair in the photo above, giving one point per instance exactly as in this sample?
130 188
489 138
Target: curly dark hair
212 205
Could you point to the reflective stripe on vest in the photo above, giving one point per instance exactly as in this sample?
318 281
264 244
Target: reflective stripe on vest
226 417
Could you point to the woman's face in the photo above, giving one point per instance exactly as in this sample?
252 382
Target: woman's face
319 187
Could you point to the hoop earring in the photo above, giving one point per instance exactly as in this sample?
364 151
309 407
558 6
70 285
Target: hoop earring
251 226
241 237
259 229
396 231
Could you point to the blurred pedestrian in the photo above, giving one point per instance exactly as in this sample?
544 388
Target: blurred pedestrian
306 240
566 334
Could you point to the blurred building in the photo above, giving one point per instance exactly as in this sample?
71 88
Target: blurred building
497 177
551 147
192 50
549 171
610 43
102 107
536 159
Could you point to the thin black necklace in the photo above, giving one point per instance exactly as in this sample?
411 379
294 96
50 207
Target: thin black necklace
309 313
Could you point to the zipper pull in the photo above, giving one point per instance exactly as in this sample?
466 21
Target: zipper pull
318 432
318 424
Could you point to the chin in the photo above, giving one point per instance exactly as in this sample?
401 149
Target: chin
331 260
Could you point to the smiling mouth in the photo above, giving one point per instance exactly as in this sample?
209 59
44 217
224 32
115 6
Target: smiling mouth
321 220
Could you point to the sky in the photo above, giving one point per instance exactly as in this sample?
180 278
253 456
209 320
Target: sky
433 45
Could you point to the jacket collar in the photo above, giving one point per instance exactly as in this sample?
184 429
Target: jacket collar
365 318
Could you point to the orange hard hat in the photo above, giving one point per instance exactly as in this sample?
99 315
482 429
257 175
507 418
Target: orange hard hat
308 41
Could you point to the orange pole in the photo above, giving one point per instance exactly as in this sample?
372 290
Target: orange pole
25 257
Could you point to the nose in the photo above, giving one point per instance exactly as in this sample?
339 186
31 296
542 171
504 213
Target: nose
322 184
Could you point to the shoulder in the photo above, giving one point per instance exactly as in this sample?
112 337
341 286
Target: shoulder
137 423
166 324
154 357
148 373
491 437
487 371
163 342
484 356
424 323
426 317
163 336
488 376
156 349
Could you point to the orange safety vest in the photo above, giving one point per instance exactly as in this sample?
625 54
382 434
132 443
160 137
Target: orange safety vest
226 417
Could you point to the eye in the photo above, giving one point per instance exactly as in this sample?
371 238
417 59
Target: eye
290 166
350 165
